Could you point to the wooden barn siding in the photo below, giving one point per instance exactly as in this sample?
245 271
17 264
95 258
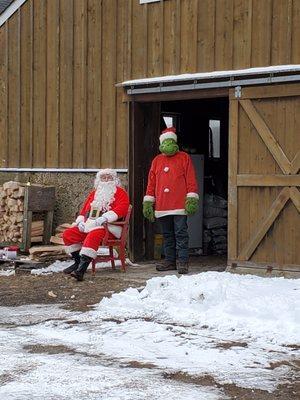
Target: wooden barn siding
60 60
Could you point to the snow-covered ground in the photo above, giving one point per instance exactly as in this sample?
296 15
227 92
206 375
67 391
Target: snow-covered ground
227 326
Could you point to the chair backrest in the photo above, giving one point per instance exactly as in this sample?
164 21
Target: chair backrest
125 228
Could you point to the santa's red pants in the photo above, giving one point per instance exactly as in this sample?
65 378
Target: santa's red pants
88 243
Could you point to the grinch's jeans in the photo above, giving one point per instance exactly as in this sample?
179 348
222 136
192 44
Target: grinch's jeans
176 238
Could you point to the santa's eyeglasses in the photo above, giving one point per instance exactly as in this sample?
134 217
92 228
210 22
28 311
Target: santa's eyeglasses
106 178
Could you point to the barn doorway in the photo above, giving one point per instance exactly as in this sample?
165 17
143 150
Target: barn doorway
202 130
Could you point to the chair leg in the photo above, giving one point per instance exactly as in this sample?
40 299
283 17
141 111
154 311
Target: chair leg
112 260
94 266
122 258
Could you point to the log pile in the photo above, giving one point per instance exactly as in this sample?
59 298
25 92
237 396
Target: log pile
11 212
12 215
48 253
52 252
57 238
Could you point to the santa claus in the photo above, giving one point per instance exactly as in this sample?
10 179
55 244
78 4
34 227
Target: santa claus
107 203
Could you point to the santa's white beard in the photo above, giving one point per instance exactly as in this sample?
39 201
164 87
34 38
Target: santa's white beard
104 195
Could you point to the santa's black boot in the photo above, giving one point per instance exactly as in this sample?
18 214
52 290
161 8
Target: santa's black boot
76 257
83 266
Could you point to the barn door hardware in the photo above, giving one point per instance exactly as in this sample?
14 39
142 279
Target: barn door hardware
238 92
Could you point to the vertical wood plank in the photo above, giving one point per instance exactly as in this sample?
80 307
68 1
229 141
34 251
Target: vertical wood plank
66 84
14 90
128 41
232 184
3 95
295 56
171 37
155 39
206 35
242 28
281 41
52 106
39 83
108 125
139 50
261 33
121 108
26 38
80 84
262 160
224 35
95 65
189 29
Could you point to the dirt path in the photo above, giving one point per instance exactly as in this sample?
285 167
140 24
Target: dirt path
58 289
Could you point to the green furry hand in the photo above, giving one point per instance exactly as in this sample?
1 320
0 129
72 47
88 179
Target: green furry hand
191 205
148 210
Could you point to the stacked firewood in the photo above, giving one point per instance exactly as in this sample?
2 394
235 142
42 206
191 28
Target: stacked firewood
37 231
57 238
11 212
53 252
48 253
12 215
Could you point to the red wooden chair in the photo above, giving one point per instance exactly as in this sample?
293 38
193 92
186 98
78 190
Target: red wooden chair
111 243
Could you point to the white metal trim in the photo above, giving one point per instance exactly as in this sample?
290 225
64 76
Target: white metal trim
212 75
10 10
60 170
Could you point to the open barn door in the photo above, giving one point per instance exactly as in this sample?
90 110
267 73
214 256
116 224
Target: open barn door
264 180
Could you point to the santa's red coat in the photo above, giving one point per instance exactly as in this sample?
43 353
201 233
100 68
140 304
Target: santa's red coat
118 208
171 180
89 242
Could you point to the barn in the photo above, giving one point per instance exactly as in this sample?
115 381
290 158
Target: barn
86 84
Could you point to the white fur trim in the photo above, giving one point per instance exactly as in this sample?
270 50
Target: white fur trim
73 247
80 218
88 251
160 214
192 194
149 198
115 230
111 216
167 135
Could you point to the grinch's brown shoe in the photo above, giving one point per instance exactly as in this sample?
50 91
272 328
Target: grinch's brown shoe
165 266
182 267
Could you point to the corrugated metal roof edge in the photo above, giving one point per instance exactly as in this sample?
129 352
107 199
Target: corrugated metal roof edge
214 76
10 10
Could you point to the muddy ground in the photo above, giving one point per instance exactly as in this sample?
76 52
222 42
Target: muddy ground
24 288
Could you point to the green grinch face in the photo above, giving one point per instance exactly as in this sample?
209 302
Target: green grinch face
169 147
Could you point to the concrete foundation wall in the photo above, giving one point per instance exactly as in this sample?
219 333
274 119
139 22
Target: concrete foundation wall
71 189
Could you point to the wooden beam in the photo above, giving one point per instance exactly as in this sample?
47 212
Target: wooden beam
295 164
260 92
295 197
267 136
232 184
180 95
268 180
271 215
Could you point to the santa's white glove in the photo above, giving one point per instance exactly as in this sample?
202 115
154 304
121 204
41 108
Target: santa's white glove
100 221
81 226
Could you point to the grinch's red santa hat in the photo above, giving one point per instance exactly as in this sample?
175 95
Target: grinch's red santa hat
169 133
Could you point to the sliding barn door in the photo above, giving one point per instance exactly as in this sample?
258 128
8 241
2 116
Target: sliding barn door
264 180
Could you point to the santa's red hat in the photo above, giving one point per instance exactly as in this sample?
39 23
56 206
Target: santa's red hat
169 133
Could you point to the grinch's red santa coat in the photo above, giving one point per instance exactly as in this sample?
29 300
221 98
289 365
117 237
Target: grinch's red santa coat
109 201
171 180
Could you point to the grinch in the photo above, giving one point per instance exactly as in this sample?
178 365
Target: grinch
172 195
